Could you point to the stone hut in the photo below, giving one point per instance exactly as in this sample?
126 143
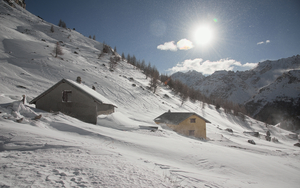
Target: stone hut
74 99
185 123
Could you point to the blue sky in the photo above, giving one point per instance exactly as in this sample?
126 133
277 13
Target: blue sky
212 34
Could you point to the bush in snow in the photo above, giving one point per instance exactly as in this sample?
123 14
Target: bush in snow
113 62
52 29
275 140
268 137
58 50
106 49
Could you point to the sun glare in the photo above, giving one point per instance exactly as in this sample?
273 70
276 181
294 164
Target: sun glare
203 35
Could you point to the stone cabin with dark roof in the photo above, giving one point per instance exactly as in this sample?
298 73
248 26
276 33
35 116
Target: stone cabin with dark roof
74 99
185 123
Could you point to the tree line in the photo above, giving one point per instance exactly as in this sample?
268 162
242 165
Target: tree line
182 90
149 70
185 92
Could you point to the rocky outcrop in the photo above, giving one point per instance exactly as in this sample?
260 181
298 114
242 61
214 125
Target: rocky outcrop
19 2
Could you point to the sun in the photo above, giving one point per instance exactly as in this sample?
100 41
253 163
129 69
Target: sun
203 35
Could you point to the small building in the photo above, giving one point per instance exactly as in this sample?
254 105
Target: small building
74 99
185 123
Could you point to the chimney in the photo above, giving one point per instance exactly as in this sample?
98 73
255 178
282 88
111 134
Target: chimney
169 111
78 79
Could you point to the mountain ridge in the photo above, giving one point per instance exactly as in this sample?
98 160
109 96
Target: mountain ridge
249 87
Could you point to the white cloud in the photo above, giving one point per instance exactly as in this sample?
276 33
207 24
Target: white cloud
208 67
184 44
167 46
187 65
260 43
249 65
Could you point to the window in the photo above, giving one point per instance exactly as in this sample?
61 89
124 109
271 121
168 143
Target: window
66 96
191 132
193 120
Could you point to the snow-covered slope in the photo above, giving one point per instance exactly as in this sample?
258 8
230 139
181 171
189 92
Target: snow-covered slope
278 101
240 86
60 151
269 83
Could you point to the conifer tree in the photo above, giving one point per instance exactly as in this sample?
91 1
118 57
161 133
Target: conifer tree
138 64
154 82
128 58
143 65
106 48
184 94
148 70
133 60
62 24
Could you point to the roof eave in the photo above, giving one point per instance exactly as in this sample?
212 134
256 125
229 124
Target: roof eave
95 99
33 101
63 81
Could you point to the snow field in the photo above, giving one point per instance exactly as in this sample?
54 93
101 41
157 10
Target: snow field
60 151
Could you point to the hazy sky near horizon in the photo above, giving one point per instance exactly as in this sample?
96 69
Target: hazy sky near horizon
182 35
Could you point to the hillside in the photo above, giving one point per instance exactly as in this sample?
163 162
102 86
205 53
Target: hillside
61 151
270 91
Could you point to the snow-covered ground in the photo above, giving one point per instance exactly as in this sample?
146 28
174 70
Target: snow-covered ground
60 151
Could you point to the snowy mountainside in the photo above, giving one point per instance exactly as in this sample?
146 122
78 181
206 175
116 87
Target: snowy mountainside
60 151
191 78
230 85
278 101
246 87
286 86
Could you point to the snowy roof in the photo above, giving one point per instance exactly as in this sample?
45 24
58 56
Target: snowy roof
87 90
176 117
